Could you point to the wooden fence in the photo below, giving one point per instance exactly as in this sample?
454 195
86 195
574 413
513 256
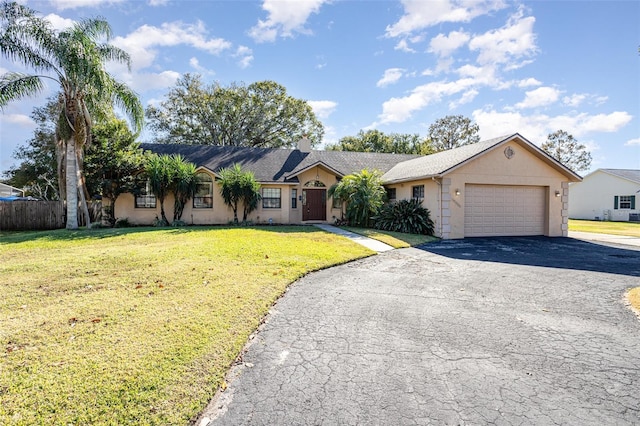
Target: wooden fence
31 215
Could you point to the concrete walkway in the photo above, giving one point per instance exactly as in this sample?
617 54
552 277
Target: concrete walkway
370 243
606 238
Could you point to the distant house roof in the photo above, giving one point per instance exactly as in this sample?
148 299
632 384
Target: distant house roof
279 165
8 190
629 174
436 165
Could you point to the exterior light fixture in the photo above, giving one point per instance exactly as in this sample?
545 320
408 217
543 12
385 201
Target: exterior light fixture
557 193
457 191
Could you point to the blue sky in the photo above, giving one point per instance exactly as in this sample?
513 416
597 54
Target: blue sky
531 67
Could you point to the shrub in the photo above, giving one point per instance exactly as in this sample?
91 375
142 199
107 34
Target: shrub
406 216
122 222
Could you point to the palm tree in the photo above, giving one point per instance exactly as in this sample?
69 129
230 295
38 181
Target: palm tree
184 185
363 194
160 172
75 59
238 186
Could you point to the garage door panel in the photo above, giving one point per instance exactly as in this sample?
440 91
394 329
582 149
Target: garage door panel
503 210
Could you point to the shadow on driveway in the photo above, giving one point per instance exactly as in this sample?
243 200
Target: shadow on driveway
564 253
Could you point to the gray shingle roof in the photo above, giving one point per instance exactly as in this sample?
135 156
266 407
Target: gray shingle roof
278 165
630 174
439 163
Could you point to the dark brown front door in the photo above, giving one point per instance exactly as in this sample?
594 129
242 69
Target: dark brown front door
314 204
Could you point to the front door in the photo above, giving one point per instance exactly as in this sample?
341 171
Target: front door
314 204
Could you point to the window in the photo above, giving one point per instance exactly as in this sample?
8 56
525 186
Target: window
142 191
270 198
337 203
391 194
203 198
294 198
417 192
314 184
624 202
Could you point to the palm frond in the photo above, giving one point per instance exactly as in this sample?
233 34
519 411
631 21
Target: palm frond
14 86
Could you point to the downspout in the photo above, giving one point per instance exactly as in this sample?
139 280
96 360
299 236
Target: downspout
439 202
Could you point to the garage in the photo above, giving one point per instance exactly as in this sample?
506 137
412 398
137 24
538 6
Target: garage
504 210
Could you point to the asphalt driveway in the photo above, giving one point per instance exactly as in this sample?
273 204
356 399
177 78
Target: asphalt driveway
482 331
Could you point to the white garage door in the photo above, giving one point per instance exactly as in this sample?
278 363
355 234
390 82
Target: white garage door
501 210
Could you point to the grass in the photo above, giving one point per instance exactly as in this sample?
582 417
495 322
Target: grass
138 326
394 239
631 229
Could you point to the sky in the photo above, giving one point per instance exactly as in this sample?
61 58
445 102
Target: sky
531 67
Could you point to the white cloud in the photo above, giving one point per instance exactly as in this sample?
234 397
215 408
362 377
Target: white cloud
506 45
539 97
285 18
444 45
420 14
157 2
323 109
58 22
529 82
574 100
632 142
195 64
467 97
390 76
398 110
536 127
140 43
403 46
72 4
142 82
244 56
18 120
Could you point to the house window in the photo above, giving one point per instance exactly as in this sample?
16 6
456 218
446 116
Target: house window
337 203
270 198
391 194
294 198
417 192
624 202
144 198
314 184
203 198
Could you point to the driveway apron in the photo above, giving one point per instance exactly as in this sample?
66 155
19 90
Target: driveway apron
483 331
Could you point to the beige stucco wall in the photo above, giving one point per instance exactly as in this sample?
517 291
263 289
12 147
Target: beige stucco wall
431 201
222 214
494 168
594 197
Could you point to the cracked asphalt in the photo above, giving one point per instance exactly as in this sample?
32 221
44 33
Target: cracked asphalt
505 331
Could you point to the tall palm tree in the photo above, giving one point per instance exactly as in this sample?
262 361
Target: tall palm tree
75 59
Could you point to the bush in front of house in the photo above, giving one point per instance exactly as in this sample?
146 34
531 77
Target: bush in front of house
406 216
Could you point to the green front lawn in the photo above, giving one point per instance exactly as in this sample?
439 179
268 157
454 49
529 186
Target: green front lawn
394 239
138 326
631 229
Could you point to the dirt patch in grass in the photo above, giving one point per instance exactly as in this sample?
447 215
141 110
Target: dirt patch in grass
394 239
138 326
631 229
633 296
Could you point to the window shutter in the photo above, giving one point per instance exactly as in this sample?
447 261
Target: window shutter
615 202
633 202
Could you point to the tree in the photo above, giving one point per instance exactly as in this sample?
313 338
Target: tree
565 148
377 141
261 114
363 195
38 171
453 131
238 186
75 59
159 171
184 185
111 163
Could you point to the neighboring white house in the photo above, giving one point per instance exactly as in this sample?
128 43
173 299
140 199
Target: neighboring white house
606 194
9 191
